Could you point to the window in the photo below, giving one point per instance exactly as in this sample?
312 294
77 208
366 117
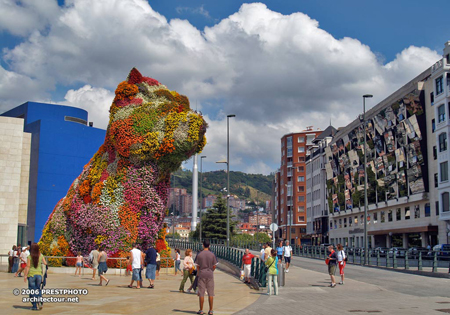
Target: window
301 209
443 168
350 222
362 219
433 125
331 225
301 198
441 113
443 142
345 222
301 178
301 149
445 202
301 168
375 217
439 85
436 180
427 210
416 212
300 188
301 139
301 219
382 217
356 220
407 214
436 207
340 223
293 230
301 159
335 224
390 216
432 98
398 214
434 152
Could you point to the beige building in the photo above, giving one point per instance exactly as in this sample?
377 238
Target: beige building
15 146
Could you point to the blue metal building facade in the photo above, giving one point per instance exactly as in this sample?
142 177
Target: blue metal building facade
61 144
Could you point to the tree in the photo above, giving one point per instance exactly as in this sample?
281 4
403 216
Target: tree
262 237
214 222
171 235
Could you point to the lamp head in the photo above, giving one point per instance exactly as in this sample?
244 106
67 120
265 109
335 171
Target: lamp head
367 95
231 115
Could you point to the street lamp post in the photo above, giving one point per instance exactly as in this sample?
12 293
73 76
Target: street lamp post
201 194
228 177
366 243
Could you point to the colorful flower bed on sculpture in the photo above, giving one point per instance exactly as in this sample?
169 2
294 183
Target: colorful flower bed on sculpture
121 195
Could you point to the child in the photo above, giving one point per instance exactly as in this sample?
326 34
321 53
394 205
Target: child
129 270
79 264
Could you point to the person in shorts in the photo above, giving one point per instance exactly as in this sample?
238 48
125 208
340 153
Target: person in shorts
206 263
150 262
93 257
247 264
136 259
332 263
280 251
341 258
79 264
287 254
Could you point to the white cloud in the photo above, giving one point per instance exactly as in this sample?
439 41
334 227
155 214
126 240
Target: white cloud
278 73
200 10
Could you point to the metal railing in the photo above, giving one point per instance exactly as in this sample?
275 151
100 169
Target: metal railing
229 254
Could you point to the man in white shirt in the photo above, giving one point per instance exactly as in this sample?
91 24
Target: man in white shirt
263 250
287 253
136 259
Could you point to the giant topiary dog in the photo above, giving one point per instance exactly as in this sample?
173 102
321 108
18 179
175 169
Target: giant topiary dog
120 196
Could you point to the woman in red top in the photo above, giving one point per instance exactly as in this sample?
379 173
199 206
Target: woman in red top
247 265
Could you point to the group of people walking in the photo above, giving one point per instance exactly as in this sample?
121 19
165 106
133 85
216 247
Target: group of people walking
334 260
17 259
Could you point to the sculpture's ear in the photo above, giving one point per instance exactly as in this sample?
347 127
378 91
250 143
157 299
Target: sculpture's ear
135 77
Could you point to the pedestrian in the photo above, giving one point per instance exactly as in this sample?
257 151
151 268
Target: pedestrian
33 274
79 264
22 263
331 261
150 262
280 251
272 264
206 263
158 263
247 264
15 266
188 269
263 250
11 258
177 261
341 258
267 251
93 259
102 266
129 270
287 254
136 259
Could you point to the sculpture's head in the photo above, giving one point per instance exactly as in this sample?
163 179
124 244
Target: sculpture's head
148 122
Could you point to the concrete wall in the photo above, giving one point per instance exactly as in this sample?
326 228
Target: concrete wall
14 174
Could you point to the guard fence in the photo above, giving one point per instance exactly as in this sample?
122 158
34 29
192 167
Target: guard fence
230 254
388 257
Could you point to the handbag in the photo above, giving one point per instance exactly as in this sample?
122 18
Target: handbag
267 268
343 253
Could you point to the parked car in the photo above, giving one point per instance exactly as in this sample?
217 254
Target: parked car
381 250
442 249
414 251
399 252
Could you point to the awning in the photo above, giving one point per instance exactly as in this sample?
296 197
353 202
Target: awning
418 229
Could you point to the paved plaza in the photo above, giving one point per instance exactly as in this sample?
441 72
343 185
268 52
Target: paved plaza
366 290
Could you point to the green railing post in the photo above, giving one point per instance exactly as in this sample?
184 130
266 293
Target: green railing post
419 265
435 261
252 268
406 261
388 262
395 260
361 257
378 258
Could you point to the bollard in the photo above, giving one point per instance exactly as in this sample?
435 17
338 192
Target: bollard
281 275
435 262
406 261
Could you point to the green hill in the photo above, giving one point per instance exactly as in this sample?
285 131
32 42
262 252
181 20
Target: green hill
252 187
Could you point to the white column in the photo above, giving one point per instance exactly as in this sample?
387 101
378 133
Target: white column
194 194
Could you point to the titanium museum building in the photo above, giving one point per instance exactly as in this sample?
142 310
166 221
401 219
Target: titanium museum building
407 168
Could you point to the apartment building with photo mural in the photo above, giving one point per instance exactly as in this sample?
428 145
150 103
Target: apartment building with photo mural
407 192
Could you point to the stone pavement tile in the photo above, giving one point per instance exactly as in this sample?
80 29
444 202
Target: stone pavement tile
307 292
117 298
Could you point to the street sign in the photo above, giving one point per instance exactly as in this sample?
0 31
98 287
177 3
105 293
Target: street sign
274 227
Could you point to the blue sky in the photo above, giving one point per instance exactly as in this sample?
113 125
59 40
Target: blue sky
278 65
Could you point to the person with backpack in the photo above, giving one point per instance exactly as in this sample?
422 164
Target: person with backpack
272 271
341 258
331 261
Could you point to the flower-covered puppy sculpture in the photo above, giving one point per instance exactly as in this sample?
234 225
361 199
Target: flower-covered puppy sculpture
121 195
